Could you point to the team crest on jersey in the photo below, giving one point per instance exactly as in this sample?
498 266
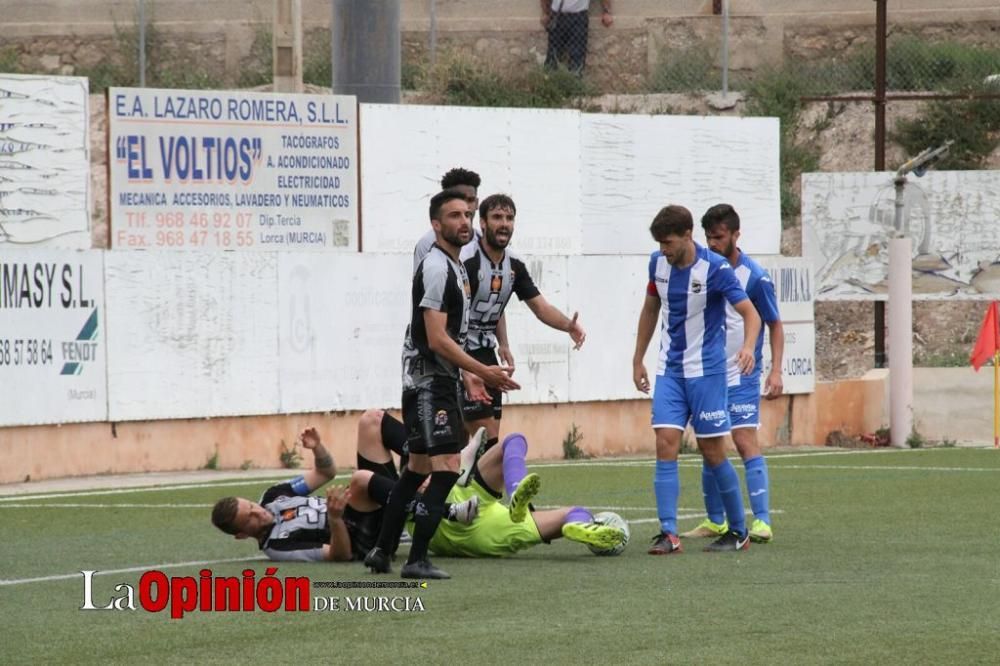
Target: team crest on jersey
441 418
288 514
696 287
496 283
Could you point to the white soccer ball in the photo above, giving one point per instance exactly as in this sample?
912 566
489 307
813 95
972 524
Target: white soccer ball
614 520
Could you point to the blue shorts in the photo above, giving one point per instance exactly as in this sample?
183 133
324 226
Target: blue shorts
744 403
700 400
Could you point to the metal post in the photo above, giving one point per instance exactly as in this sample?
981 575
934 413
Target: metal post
367 50
434 33
900 327
142 43
881 30
725 48
333 45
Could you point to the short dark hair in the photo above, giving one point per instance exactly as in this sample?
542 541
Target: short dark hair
495 201
443 197
671 220
224 514
720 214
460 176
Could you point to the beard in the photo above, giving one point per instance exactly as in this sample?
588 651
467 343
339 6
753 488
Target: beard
498 243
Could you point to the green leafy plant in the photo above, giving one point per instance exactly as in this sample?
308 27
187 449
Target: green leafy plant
457 79
290 456
9 61
686 70
247 465
570 445
916 440
213 460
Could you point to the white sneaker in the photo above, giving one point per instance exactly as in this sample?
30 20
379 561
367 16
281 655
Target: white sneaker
470 455
465 512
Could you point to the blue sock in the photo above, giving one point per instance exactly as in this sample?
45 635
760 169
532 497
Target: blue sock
758 487
714 508
729 488
667 487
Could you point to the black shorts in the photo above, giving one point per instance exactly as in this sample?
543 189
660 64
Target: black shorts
473 411
432 416
363 529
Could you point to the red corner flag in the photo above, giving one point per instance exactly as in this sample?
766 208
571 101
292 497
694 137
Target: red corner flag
988 342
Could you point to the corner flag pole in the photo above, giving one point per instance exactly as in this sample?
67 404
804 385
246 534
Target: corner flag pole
996 399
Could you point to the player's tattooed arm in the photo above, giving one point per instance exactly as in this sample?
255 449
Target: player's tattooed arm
324 467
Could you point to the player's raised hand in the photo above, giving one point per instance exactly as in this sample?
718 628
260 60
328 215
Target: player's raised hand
576 332
310 438
745 360
499 377
640 378
337 498
475 388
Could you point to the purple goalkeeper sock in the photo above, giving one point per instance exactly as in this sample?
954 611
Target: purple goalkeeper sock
578 515
515 448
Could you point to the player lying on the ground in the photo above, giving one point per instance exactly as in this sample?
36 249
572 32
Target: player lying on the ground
501 530
289 524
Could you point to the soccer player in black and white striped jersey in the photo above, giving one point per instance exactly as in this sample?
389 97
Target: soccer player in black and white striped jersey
495 274
433 354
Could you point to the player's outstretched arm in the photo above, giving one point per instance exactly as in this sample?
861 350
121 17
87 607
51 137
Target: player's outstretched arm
339 548
647 325
324 468
745 360
442 345
551 316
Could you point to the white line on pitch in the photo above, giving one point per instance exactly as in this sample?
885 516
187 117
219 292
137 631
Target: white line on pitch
81 505
150 489
892 468
148 567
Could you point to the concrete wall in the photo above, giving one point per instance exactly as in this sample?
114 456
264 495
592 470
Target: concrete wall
953 404
949 403
61 36
608 428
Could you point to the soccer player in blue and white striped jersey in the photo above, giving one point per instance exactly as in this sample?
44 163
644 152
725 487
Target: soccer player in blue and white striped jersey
722 229
689 286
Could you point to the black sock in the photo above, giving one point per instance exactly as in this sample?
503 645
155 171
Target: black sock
490 443
380 489
428 513
395 510
419 497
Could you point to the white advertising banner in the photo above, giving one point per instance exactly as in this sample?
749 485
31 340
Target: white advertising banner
341 330
794 287
531 154
44 161
541 354
950 217
610 292
631 166
232 170
52 341
192 334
